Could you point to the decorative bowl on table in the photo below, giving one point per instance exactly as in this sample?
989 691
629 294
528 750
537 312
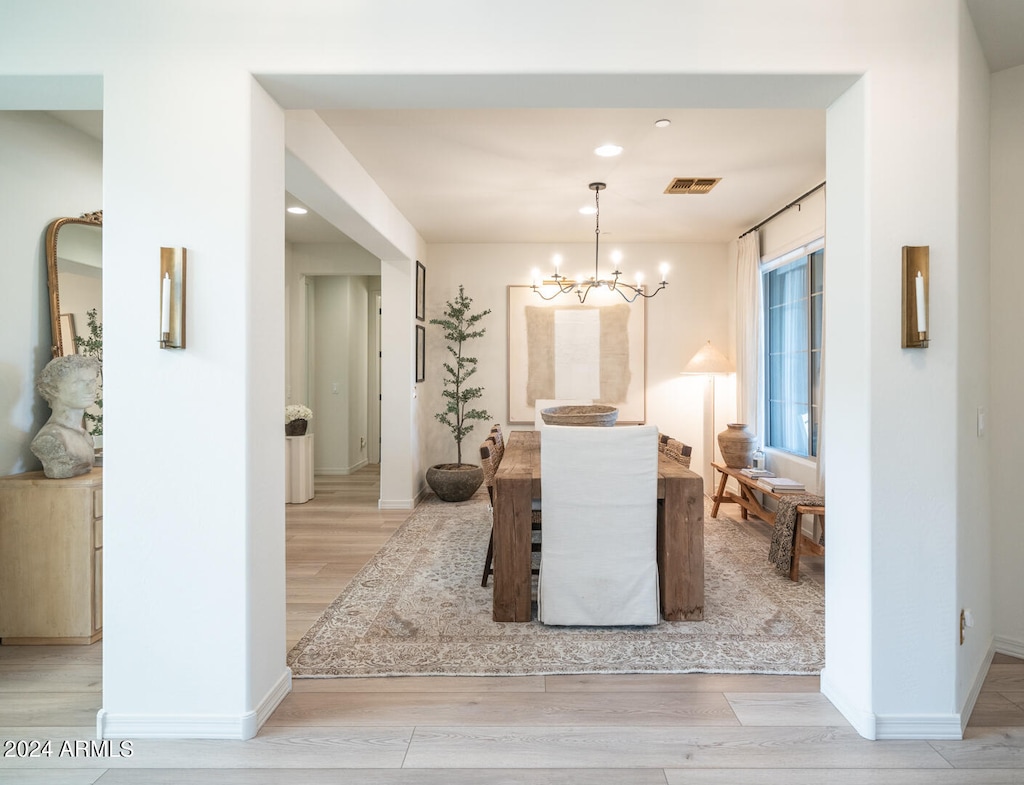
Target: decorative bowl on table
595 414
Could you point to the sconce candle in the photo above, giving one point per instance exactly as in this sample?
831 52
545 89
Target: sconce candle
165 305
922 323
914 328
172 297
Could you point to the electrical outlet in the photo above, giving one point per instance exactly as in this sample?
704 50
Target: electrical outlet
981 421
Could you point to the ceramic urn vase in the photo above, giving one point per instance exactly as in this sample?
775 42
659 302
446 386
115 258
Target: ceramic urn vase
737 444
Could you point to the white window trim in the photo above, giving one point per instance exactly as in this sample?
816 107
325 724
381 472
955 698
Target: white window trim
797 252
767 265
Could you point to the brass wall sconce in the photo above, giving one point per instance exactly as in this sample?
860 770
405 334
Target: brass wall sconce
915 296
172 298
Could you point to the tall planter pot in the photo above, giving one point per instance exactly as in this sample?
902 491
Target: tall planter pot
737 444
454 482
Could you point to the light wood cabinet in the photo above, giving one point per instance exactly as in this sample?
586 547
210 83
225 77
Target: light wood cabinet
51 558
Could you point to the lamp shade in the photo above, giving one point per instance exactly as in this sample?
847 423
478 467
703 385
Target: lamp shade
709 361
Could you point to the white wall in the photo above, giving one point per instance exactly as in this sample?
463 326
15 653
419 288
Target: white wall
179 169
849 673
334 272
49 170
694 307
309 260
974 368
340 367
194 510
1005 424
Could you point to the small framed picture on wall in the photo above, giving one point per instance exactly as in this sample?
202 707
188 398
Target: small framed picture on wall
421 292
421 353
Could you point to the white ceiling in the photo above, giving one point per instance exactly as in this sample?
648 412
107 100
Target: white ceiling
466 175
521 175
1000 28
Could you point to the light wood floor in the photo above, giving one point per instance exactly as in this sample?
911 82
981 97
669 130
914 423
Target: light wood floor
600 730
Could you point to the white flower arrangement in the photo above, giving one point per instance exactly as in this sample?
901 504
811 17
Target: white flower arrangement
296 411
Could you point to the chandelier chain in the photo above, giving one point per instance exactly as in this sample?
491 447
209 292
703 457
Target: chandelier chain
582 288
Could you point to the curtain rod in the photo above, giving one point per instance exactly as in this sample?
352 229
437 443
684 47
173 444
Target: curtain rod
777 213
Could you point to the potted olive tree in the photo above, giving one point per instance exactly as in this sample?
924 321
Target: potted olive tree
456 482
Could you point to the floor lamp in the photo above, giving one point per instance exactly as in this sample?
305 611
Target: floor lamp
709 362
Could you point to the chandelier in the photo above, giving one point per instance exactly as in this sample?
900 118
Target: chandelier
583 286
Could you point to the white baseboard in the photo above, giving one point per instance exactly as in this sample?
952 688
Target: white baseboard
193 726
396 504
271 701
918 726
423 494
897 726
1011 646
403 504
864 722
972 696
341 471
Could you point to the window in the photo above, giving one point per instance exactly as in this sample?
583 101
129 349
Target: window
793 292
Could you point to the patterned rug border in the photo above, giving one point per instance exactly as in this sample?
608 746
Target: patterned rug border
417 609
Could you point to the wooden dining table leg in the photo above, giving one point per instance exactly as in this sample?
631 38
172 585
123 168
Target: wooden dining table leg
682 547
512 548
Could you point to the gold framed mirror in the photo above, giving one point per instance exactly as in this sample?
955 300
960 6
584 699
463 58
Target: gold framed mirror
74 275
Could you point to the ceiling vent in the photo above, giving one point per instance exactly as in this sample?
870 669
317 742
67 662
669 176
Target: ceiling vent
692 185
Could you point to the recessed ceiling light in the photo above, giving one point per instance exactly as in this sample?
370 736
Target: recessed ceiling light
296 210
608 150
662 123
588 210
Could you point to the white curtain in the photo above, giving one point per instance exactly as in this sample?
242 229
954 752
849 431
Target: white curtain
749 335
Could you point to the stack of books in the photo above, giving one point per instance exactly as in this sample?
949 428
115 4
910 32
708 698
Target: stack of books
756 473
780 484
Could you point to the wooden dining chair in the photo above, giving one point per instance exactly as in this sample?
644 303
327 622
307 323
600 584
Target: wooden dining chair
599 565
499 440
489 462
678 451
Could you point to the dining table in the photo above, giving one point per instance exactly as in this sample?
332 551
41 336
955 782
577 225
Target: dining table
680 544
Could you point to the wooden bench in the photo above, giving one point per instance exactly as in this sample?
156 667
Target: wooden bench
751 505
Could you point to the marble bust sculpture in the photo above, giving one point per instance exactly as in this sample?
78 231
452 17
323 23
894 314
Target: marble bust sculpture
70 385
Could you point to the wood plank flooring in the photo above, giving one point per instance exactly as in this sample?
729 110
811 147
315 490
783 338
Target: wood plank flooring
697 729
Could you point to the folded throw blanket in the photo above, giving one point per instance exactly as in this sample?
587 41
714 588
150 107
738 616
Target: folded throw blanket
784 533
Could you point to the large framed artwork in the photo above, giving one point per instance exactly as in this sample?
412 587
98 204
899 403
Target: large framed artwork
560 349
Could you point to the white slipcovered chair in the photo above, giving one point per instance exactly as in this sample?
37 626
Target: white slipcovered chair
599 489
546 403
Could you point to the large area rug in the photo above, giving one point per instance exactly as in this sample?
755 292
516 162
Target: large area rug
418 609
